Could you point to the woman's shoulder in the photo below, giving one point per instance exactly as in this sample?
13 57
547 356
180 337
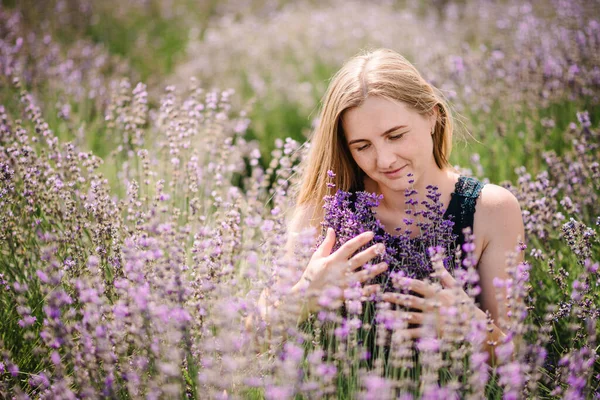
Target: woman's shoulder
498 211
496 198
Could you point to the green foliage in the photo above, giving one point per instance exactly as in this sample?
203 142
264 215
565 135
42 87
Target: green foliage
152 43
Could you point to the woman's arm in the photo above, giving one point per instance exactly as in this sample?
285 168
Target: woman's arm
499 221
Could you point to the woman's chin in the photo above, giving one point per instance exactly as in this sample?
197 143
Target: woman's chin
382 184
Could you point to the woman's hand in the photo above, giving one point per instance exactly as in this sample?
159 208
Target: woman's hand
339 269
440 302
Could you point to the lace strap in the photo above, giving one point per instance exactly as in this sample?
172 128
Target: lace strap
469 189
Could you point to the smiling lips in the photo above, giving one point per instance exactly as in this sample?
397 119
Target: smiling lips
394 173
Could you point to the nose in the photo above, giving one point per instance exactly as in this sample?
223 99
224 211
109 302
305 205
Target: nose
385 157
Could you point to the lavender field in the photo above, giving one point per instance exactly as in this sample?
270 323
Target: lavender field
150 152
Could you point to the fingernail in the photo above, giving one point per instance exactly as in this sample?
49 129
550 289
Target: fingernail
380 249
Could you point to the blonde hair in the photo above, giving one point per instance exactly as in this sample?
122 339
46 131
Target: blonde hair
383 73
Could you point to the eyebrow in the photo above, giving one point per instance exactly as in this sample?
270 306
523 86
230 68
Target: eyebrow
392 129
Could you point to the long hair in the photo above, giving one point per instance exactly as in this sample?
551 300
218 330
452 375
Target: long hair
383 73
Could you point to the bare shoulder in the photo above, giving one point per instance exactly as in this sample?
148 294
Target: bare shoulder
495 198
498 211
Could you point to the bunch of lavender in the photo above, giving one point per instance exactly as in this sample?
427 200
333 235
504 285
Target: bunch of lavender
362 334
351 214
363 346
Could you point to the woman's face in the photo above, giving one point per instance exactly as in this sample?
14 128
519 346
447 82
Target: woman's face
388 140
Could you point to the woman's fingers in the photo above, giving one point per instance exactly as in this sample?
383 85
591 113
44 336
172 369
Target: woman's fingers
368 273
369 290
365 256
447 279
411 317
410 333
423 288
405 300
350 247
325 248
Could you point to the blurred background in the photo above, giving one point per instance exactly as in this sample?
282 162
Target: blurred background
516 73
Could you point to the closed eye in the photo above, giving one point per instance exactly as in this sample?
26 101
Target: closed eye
391 137
396 137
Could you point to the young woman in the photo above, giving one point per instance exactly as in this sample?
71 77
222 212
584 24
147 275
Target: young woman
380 122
